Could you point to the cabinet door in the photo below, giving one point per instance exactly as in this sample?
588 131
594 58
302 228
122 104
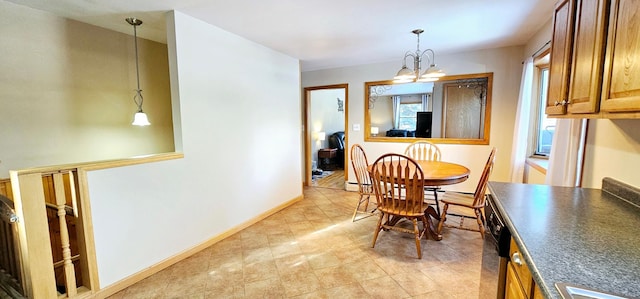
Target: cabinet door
537 293
560 62
587 58
513 289
621 82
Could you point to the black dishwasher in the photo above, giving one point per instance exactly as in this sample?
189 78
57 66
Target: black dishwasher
495 253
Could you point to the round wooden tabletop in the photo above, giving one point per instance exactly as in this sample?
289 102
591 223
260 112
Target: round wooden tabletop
438 173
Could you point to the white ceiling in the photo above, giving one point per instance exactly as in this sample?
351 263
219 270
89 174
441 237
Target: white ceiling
330 33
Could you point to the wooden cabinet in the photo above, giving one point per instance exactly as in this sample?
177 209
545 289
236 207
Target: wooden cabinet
583 81
588 55
560 61
577 57
519 284
621 83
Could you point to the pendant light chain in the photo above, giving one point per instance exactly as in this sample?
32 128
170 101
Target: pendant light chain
138 91
140 118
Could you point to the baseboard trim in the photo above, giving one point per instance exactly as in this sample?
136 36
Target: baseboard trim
128 281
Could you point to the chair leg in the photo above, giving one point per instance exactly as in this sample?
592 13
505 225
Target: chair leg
355 212
377 231
363 199
480 222
443 218
416 232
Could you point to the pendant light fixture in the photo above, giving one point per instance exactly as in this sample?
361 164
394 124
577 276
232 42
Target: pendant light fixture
433 73
140 118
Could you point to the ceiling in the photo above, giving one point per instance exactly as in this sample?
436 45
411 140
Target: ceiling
330 33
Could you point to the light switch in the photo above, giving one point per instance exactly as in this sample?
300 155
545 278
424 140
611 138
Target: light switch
356 127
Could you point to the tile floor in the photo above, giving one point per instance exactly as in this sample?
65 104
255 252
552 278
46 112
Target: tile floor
313 250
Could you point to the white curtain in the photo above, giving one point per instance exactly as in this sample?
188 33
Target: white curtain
567 153
523 117
425 102
396 111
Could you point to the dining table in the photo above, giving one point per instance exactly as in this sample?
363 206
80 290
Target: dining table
436 173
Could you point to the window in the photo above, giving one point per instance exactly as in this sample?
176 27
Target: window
408 112
545 127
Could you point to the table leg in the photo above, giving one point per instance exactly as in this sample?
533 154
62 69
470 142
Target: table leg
431 228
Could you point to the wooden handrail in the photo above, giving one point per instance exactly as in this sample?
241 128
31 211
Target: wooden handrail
67 208
59 264
7 212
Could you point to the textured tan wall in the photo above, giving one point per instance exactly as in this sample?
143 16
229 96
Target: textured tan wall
66 92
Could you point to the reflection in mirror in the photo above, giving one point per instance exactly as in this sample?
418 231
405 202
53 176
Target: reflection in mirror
455 109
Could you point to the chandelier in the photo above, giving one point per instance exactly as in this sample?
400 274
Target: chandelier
433 73
140 118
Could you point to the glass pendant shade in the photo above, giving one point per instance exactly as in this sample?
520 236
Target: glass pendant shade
434 72
140 119
405 74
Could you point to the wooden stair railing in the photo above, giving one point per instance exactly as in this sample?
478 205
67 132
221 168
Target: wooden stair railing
10 268
51 235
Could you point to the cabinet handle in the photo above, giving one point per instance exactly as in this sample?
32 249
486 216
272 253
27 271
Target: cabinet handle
515 258
564 102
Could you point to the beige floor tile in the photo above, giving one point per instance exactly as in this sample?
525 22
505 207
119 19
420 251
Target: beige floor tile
312 249
384 287
322 259
260 271
334 276
364 270
256 255
293 264
193 285
299 283
228 290
255 241
415 283
269 288
349 291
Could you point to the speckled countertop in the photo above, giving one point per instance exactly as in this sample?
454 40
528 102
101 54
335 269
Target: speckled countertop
587 237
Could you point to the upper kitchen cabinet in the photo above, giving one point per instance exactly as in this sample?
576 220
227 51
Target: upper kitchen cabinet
584 81
589 39
560 60
577 57
621 81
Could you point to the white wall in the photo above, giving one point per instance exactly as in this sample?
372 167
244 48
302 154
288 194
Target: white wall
240 160
506 65
613 150
66 92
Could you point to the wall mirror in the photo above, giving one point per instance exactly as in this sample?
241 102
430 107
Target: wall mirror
454 109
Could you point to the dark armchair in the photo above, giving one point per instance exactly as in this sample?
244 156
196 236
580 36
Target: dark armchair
336 140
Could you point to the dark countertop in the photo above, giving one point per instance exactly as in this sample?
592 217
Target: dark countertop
581 236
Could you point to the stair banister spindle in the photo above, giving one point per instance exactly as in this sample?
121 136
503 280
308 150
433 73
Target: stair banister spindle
69 271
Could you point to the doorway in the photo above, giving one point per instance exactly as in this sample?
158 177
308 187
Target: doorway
326 110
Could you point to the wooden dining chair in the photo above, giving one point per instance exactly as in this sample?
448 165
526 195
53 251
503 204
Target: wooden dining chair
398 183
426 151
466 205
365 189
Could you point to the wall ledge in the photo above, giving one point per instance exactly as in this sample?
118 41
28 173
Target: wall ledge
96 165
538 164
